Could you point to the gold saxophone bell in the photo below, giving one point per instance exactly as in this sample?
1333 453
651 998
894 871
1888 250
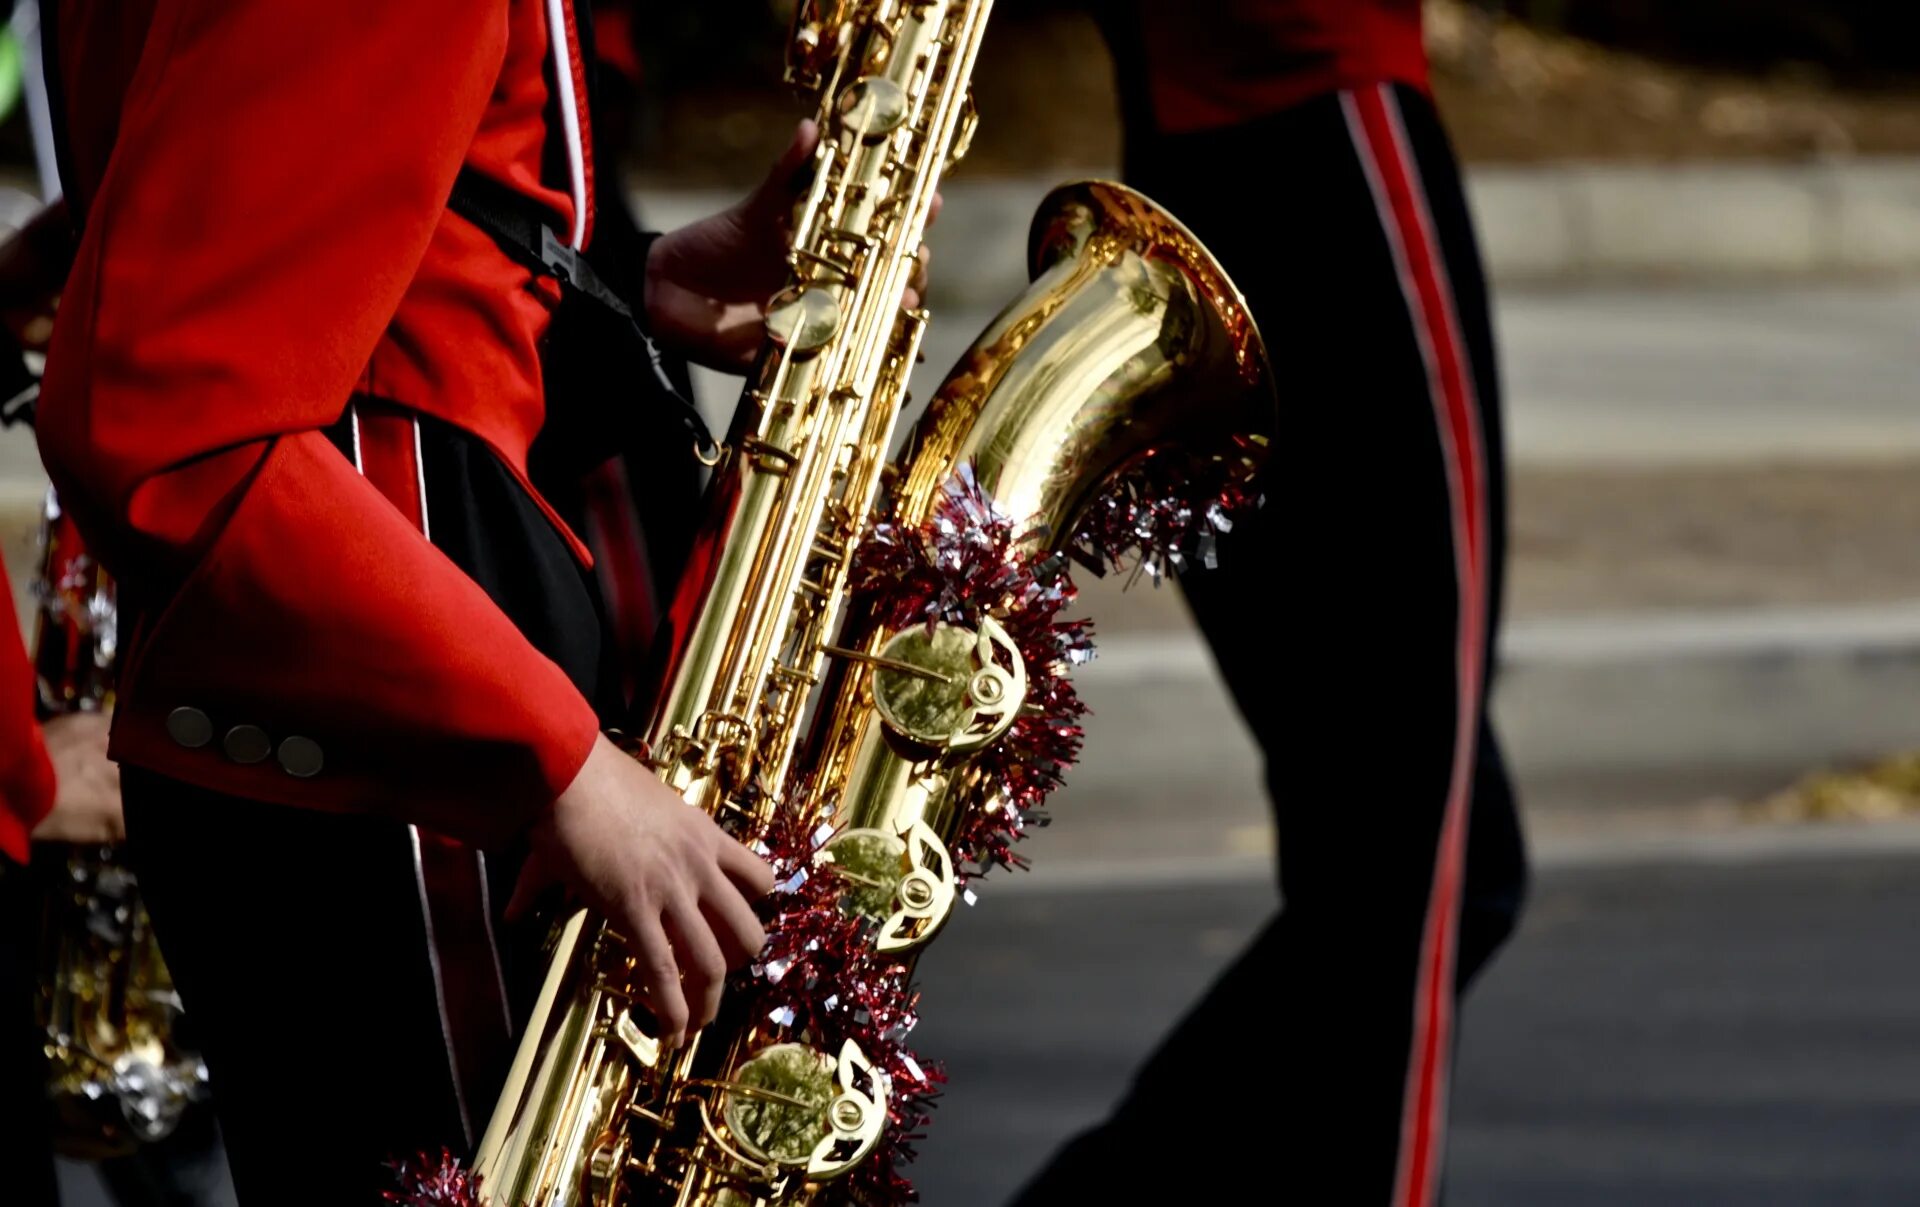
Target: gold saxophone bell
1130 350
1130 343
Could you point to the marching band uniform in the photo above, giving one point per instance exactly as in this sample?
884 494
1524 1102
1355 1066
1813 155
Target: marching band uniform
290 400
1298 140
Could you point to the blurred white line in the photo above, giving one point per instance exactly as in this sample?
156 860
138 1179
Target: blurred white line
1623 637
1729 633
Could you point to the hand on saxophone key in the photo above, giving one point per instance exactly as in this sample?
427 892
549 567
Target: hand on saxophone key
662 872
707 283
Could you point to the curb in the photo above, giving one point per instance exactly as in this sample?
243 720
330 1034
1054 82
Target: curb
1618 221
1550 224
1649 709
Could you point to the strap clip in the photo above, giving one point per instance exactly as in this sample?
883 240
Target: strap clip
570 267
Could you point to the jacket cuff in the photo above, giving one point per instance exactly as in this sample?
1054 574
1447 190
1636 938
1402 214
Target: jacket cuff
486 799
322 655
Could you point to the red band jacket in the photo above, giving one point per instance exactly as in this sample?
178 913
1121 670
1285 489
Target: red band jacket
1230 61
265 238
26 776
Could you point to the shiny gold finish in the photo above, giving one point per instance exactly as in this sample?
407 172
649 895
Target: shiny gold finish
1131 344
949 689
903 881
116 1075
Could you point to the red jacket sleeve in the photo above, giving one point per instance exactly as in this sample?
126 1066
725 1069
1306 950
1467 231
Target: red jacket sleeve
26 776
279 169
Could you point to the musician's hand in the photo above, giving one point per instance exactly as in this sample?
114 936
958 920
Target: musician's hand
86 800
669 879
707 284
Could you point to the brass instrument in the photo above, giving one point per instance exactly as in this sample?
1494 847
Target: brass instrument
780 699
116 1073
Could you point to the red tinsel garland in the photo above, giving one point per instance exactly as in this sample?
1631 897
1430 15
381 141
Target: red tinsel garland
433 1181
962 564
820 976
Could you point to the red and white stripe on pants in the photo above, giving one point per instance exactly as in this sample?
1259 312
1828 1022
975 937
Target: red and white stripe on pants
1380 140
469 983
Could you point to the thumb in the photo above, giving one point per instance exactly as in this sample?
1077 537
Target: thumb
535 878
788 177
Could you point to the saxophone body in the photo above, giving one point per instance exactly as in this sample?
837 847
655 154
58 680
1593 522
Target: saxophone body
117 1074
786 702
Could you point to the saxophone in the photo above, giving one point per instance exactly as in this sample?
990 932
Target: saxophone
814 718
117 1074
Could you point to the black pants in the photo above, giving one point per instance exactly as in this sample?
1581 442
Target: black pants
1352 619
355 987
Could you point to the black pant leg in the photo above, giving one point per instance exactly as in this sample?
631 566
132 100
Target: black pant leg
26 1126
297 942
187 1169
1334 617
1496 874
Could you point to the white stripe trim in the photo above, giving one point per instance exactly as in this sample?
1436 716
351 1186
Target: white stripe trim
569 115
493 944
439 986
1450 838
353 414
420 480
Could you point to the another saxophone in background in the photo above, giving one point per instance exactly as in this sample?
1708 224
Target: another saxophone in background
116 1072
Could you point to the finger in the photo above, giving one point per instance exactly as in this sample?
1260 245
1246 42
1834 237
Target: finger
933 209
922 262
734 924
806 138
703 968
716 335
787 177
746 870
659 974
916 287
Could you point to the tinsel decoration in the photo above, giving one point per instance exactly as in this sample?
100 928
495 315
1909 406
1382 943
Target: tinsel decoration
1167 509
966 562
820 977
430 1180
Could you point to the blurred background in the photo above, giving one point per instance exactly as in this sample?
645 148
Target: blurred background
1703 222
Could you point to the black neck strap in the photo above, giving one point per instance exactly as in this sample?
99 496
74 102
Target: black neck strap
520 226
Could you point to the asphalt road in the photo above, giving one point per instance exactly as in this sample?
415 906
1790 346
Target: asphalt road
1663 1035
1682 1035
